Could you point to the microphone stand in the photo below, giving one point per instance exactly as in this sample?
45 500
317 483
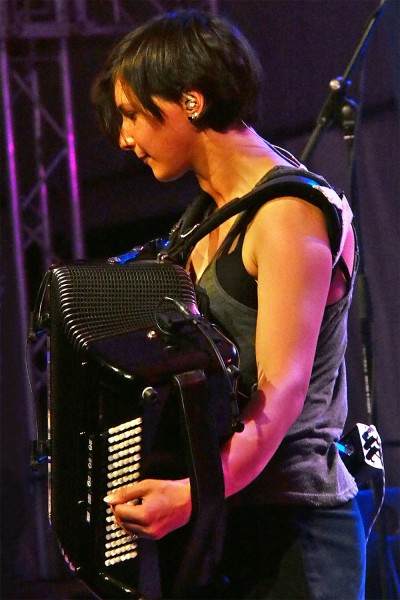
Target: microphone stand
338 108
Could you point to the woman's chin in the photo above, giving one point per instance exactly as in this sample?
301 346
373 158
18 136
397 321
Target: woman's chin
165 176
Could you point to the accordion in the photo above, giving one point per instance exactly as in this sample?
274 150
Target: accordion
140 386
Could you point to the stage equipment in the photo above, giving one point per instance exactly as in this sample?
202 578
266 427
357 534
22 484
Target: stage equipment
340 109
140 386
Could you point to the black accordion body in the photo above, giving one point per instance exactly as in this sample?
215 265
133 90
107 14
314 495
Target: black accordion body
139 387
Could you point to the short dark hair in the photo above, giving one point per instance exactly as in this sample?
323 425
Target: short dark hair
177 52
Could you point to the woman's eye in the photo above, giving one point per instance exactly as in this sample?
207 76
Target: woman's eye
129 114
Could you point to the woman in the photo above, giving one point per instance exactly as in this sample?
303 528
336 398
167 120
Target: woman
182 92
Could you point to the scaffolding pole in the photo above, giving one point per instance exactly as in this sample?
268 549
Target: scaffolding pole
42 169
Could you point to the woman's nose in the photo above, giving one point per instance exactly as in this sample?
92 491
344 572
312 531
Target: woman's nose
126 141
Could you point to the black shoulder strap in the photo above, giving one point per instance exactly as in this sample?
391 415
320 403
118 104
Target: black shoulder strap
289 182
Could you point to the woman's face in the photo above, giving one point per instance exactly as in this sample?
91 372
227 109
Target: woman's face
167 147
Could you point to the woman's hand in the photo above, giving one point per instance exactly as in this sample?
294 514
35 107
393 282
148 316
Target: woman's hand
152 508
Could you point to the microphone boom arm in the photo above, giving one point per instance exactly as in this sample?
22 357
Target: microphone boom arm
337 107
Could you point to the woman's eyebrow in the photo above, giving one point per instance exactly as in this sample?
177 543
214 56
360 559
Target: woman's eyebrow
125 107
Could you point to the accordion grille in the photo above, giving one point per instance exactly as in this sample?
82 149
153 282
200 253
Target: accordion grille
98 301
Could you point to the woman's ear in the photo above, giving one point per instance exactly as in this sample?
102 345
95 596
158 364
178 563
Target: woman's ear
193 103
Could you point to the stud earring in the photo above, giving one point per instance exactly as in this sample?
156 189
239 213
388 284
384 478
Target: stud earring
193 117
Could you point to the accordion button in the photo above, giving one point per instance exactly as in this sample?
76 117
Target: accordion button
149 395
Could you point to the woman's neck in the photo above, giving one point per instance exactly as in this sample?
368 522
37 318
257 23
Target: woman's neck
230 164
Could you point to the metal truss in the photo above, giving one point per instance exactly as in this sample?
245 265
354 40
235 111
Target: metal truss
39 19
40 133
40 156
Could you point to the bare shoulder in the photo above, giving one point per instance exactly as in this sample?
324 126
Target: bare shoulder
284 226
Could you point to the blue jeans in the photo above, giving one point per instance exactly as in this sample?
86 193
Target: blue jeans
293 552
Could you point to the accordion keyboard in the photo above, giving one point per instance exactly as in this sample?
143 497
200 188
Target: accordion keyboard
124 445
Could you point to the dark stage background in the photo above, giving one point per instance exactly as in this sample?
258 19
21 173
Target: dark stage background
303 44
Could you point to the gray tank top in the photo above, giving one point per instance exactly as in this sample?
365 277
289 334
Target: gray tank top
306 468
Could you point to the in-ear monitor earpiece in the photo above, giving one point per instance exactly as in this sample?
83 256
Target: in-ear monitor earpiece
190 101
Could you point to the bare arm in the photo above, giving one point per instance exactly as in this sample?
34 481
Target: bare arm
287 250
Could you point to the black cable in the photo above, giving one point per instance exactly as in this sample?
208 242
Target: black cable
173 326
38 446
